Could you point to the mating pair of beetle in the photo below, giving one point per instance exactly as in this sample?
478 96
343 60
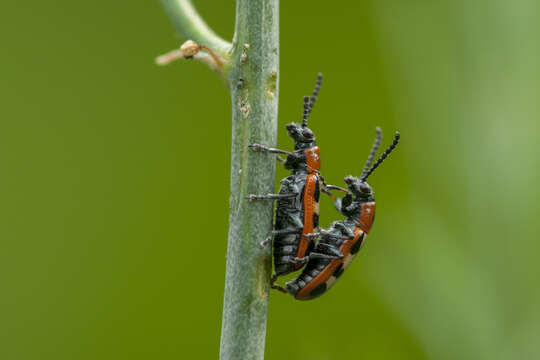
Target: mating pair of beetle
297 213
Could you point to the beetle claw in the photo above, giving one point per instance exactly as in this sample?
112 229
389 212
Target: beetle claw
265 242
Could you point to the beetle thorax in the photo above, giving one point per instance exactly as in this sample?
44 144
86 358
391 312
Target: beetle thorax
313 160
367 216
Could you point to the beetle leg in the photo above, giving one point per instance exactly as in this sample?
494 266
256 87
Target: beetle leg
301 260
334 187
258 147
266 241
326 188
344 230
280 159
324 191
277 287
316 255
252 197
329 250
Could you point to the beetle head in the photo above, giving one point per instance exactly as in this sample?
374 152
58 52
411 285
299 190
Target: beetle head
302 135
360 190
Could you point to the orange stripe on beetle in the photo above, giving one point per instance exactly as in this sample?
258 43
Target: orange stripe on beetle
367 216
313 160
310 205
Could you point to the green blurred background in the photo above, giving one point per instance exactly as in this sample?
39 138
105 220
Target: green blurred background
114 184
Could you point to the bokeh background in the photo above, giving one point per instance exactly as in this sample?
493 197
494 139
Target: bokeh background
114 184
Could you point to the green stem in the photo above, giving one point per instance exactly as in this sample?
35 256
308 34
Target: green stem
252 73
191 26
253 80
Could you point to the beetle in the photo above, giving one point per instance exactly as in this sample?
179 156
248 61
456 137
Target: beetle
339 244
297 209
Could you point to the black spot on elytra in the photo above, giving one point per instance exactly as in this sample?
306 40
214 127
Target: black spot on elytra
319 290
339 271
358 243
317 191
315 220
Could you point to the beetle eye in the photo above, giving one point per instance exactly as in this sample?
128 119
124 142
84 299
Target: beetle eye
365 188
307 132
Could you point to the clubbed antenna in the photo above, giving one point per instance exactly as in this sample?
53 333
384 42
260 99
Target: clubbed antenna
306 111
383 156
315 91
374 149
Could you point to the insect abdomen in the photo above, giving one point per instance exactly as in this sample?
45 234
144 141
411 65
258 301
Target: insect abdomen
321 275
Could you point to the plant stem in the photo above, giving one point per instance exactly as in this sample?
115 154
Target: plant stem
252 74
254 95
191 26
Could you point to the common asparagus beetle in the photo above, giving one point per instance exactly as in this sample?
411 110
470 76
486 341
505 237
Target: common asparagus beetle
339 244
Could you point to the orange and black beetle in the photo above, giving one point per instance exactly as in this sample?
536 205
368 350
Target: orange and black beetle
339 244
297 209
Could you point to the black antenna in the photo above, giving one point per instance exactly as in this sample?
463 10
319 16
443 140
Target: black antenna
374 149
383 156
315 91
306 111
